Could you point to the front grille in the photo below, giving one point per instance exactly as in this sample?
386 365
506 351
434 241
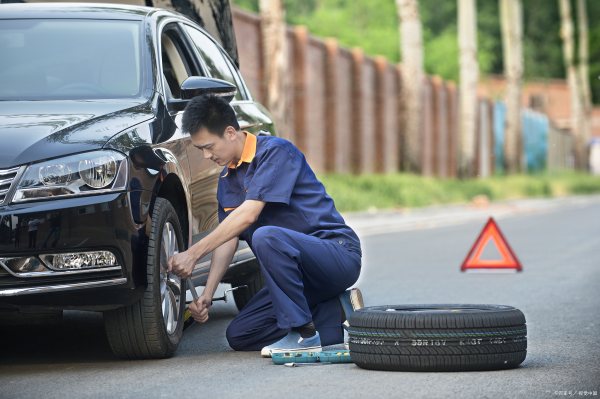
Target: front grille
7 177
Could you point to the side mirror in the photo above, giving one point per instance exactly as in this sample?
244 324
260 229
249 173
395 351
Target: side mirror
197 85
145 156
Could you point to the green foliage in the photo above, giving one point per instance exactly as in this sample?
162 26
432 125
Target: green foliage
543 45
358 193
249 5
370 25
440 55
293 7
489 41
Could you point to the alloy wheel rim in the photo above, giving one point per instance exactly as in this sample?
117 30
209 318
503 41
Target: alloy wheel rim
170 284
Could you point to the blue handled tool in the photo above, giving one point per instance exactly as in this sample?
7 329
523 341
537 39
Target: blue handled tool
294 359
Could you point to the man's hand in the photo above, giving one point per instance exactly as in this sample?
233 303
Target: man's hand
182 264
199 309
239 220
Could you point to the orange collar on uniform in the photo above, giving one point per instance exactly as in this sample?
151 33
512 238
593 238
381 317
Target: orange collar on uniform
248 152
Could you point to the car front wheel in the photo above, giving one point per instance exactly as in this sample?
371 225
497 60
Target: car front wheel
152 327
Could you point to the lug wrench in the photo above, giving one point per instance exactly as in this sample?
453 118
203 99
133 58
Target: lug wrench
188 319
192 288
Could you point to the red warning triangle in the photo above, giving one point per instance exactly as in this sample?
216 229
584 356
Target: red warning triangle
491 234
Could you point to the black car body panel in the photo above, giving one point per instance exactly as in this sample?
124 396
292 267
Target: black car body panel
88 223
45 129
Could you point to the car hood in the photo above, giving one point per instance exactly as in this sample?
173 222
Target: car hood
36 130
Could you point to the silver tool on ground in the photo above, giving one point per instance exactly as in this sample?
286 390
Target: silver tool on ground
306 364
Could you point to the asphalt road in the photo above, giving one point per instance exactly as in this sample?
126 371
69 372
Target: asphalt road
558 291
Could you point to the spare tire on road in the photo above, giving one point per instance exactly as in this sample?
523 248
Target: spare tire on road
438 337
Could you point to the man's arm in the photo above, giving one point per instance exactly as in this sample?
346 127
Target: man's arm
219 263
232 226
238 220
218 266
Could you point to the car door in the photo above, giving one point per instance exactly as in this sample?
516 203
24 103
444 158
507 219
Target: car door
178 62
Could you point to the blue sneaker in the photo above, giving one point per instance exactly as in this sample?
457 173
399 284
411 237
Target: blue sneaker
293 342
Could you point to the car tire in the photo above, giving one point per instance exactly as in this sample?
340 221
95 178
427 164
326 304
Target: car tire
253 282
438 337
152 327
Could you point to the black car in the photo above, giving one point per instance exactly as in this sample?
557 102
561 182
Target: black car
98 185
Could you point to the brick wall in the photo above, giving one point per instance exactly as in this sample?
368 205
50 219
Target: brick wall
345 112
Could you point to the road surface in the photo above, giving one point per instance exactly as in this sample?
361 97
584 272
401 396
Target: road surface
558 243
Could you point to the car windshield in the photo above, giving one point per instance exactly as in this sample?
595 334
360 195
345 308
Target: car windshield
62 59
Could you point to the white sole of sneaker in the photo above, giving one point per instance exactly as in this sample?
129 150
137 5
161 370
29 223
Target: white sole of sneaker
267 352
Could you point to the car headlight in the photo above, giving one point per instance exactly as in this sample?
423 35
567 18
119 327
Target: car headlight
82 174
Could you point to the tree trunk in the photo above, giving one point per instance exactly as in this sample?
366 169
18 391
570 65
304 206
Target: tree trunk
511 14
275 61
577 116
584 69
216 19
584 52
411 48
469 77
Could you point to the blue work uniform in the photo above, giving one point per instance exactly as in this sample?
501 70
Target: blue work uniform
307 253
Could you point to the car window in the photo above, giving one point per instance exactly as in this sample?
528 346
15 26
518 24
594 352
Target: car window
242 89
175 61
65 59
217 64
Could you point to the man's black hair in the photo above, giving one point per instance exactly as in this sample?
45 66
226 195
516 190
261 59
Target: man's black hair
210 112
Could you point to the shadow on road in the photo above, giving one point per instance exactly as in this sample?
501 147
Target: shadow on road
79 338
